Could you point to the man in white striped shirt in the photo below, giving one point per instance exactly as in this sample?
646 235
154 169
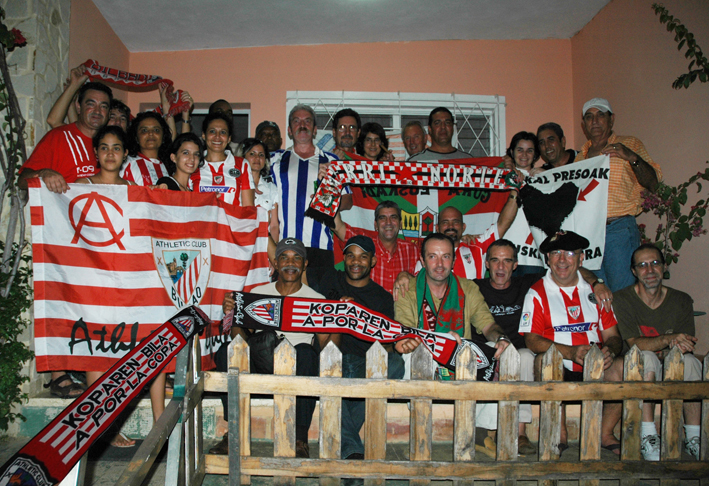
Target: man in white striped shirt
66 153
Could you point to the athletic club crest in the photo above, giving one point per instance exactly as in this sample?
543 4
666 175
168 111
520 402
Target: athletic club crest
184 267
574 311
265 311
184 324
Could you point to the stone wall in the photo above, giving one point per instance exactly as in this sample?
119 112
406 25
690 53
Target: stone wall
38 72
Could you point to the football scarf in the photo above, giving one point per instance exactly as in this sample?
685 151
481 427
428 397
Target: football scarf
51 454
299 314
441 174
450 314
96 72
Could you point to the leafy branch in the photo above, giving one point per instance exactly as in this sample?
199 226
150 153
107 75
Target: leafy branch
684 38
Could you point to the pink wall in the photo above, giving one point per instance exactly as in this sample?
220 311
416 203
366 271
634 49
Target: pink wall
90 37
625 55
534 76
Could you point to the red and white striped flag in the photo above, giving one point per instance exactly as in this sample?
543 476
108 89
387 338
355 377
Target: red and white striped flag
111 263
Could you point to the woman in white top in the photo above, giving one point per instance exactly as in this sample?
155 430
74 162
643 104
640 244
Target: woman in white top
149 140
258 157
224 174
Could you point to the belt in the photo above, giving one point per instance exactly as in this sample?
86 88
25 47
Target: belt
611 220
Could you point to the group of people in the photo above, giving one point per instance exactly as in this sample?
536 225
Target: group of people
439 285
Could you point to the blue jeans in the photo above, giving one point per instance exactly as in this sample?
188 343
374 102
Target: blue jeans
622 239
353 410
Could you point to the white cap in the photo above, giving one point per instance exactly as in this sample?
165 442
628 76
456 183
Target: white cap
598 103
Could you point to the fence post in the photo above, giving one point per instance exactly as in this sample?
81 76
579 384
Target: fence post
464 415
550 411
239 411
508 411
175 471
330 411
284 360
591 413
672 411
633 370
704 435
421 428
375 425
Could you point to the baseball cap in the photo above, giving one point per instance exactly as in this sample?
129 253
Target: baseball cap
266 124
364 242
291 244
597 103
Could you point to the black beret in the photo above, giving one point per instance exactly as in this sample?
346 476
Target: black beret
564 240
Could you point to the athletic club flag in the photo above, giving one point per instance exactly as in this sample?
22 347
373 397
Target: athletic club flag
111 263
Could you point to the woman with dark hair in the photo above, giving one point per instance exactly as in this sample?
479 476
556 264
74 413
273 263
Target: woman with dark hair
373 142
185 159
228 176
524 152
149 140
110 147
257 155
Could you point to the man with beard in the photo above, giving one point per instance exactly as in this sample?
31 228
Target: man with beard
295 173
657 318
414 137
270 134
291 262
393 255
355 283
345 130
66 153
552 146
441 127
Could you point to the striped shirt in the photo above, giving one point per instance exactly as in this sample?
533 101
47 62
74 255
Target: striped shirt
143 170
624 190
470 259
227 178
66 150
565 315
297 180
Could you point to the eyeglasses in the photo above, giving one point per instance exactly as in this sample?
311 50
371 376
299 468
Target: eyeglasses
347 128
566 253
653 264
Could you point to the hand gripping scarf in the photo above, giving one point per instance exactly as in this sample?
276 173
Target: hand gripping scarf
438 174
96 72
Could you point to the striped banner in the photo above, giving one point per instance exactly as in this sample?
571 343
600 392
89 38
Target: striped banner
111 263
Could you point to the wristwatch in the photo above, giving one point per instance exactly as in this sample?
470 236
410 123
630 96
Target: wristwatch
597 281
502 338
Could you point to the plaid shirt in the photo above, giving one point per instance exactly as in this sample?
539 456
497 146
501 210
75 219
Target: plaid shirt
624 190
389 265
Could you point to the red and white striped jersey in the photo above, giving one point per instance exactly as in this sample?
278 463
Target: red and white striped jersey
565 315
143 170
470 259
227 178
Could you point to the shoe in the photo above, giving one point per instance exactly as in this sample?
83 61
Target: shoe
302 449
691 447
355 456
650 447
614 448
222 448
71 390
525 447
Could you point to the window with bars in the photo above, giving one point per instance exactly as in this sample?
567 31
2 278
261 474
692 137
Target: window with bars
480 120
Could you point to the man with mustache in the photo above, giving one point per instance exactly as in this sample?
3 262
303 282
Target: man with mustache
291 261
295 173
657 318
355 283
345 131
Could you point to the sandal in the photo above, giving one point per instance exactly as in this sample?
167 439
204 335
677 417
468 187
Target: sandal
122 441
72 390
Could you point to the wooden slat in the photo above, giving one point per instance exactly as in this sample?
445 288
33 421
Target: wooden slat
375 424
239 406
672 409
464 414
330 411
451 390
284 410
485 470
508 411
421 428
591 413
550 410
633 370
174 473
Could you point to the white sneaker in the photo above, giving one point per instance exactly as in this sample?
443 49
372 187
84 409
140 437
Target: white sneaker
650 447
691 447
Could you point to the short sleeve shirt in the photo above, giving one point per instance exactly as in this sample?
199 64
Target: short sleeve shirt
142 170
66 150
470 259
227 178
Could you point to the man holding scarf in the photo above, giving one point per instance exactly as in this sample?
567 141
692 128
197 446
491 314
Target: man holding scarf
443 302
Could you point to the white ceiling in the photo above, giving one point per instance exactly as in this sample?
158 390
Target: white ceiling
175 25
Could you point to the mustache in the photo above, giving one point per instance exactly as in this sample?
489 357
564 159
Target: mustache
289 268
